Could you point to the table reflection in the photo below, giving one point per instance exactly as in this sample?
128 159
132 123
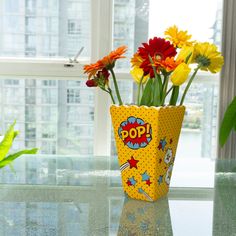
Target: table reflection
145 218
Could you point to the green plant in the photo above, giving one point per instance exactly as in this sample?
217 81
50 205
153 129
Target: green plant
6 144
228 123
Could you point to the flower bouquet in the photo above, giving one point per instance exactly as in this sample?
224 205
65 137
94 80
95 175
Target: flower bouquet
147 133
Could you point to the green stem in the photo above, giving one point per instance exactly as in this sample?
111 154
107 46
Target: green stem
164 89
112 98
139 89
188 85
116 87
169 90
174 95
157 86
109 91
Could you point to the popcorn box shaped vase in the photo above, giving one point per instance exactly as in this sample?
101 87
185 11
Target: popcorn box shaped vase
146 141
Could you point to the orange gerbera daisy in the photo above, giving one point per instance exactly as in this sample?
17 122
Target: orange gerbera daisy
92 69
107 62
169 64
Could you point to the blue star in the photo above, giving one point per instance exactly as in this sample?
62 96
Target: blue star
144 226
140 190
145 176
160 180
132 181
131 217
162 144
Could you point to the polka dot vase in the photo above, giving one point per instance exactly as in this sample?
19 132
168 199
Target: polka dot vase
146 141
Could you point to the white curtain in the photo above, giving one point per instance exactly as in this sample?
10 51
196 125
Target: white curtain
228 75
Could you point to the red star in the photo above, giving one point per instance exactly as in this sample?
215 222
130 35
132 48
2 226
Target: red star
128 183
133 163
160 146
148 182
160 160
171 140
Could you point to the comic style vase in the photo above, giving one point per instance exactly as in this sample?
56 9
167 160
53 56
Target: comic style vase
146 141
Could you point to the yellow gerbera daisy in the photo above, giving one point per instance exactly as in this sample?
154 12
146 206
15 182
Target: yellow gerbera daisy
207 57
179 38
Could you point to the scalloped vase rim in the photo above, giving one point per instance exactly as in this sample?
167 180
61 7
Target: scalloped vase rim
146 107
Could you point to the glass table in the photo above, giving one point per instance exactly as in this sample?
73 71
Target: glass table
65 195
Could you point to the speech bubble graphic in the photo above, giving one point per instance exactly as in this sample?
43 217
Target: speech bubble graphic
135 133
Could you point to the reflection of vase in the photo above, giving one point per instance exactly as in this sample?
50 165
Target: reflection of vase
146 140
145 218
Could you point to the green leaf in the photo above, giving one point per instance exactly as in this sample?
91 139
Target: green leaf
156 93
174 95
147 94
6 143
188 57
235 126
228 122
12 157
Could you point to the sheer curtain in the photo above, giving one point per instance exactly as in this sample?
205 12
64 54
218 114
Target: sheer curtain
228 75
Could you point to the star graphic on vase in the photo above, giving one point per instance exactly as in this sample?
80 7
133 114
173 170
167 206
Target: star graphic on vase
132 181
129 183
133 163
148 182
160 180
131 217
160 160
140 190
171 141
162 144
145 176
144 226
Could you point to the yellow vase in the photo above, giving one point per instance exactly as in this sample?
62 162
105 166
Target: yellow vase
146 141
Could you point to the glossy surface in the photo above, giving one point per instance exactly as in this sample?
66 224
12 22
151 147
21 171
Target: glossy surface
83 196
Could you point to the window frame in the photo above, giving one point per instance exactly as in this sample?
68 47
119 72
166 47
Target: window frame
60 68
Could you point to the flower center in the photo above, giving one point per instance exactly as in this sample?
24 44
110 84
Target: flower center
158 56
203 61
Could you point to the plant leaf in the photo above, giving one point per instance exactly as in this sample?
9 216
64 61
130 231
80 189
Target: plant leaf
156 92
228 122
174 95
12 157
147 94
6 143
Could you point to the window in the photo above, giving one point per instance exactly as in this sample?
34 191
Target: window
54 109
74 27
33 28
73 96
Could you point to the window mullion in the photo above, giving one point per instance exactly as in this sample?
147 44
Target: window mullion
101 40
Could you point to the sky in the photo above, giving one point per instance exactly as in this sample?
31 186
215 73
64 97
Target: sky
196 16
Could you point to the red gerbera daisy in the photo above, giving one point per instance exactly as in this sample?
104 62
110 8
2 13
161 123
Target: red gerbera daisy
157 48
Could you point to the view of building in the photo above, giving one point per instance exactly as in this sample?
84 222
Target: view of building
48 112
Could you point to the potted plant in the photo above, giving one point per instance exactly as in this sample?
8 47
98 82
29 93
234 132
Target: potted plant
147 133
228 123
5 145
